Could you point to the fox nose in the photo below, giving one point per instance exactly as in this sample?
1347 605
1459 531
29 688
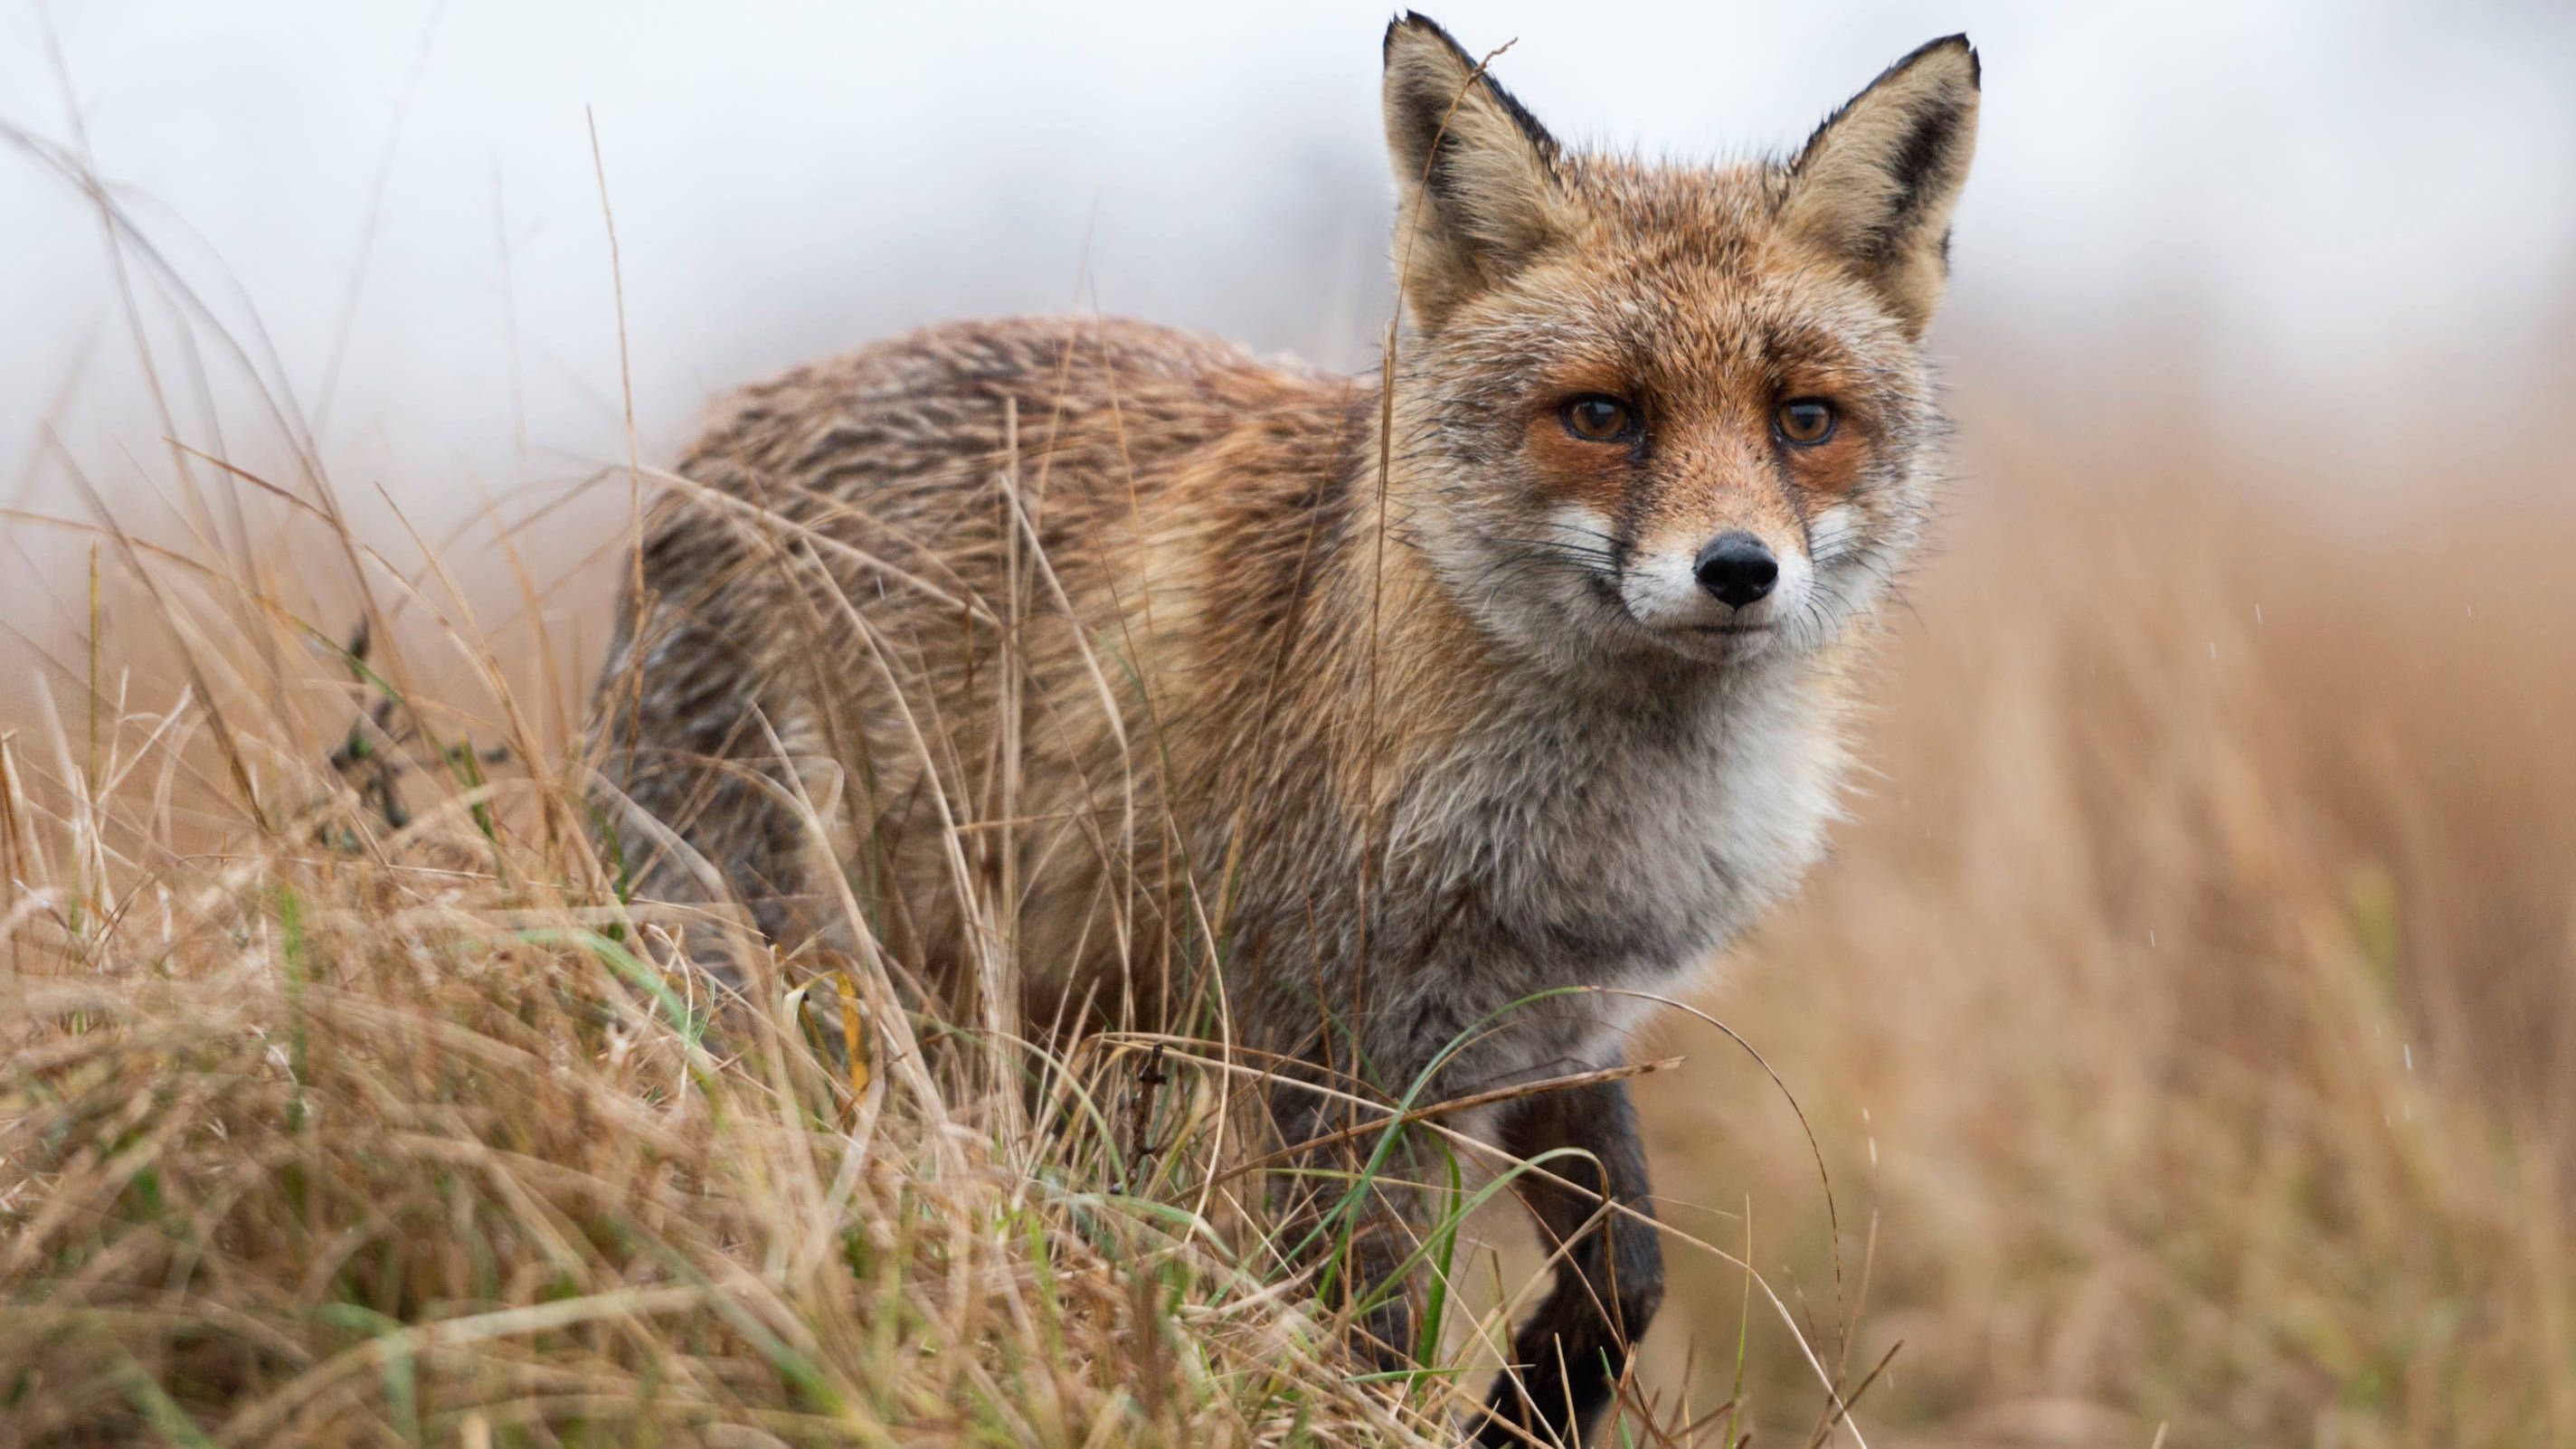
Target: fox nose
1737 567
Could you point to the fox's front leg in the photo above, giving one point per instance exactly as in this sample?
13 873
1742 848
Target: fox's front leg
1592 1206
1349 1208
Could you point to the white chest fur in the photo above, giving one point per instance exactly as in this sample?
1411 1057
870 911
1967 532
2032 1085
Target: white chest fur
1625 848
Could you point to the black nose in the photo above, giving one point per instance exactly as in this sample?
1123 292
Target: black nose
1737 567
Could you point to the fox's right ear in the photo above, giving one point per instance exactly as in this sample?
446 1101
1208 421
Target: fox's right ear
1475 174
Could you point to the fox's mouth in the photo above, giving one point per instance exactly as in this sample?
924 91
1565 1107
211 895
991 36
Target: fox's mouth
1734 643
1741 639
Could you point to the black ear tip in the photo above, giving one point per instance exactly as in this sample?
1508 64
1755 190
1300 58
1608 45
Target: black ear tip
1959 43
1414 22
1948 45
1976 63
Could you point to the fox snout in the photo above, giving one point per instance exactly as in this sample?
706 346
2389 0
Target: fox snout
1716 595
1736 568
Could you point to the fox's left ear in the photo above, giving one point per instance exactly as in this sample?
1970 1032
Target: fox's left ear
1877 182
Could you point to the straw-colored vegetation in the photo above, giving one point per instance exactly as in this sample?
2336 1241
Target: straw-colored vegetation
2185 1028
348 1102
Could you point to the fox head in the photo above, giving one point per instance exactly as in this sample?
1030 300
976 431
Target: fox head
1677 412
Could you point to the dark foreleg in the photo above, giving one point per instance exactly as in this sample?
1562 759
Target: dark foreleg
1592 1207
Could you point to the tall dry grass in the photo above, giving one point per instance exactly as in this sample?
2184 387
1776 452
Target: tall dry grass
2184 1024
349 1101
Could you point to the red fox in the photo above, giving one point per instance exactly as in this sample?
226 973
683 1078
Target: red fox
1443 708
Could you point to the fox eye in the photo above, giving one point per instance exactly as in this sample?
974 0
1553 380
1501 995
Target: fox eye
1805 421
1599 418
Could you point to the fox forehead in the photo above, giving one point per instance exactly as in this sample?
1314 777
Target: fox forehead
1680 284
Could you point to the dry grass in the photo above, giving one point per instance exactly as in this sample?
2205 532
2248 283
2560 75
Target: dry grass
347 1104
2185 1023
